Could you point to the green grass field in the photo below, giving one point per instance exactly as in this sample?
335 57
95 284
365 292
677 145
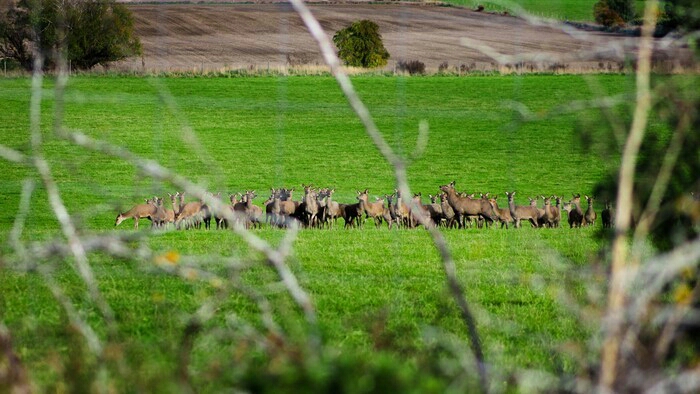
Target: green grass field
572 10
375 291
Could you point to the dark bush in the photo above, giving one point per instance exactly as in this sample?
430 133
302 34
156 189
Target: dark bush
360 45
613 13
411 66
88 32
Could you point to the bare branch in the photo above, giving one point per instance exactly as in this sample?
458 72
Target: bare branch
12 155
617 293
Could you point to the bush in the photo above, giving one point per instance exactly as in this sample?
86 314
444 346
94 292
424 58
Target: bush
88 32
360 45
411 66
610 13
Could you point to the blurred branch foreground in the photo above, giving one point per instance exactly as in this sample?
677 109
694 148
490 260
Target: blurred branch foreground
639 346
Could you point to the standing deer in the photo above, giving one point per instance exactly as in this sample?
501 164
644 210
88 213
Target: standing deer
334 209
503 214
556 211
576 214
447 212
375 210
521 212
607 215
310 206
590 216
467 206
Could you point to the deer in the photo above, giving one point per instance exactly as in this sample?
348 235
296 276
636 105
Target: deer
351 213
548 216
310 203
447 212
590 216
607 215
160 216
540 211
375 210
556 211
270 218
253 212
467 206
434 209
190 213
503 214
334 210
575 214
137 212
402 211
521 212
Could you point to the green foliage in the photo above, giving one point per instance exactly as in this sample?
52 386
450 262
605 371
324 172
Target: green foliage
611 13
360 45
88 32
683 16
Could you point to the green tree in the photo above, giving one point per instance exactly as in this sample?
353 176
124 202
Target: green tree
88 32
360 45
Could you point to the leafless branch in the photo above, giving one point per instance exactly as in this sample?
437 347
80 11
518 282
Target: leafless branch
399 167
619 285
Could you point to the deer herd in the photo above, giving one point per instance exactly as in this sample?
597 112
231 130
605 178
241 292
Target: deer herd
317 209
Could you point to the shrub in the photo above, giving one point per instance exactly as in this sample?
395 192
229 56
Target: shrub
88 32
411 66
360 45
610 13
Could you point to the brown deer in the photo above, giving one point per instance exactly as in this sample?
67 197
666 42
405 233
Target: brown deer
548 216
334 209
447 212
402 211
375 210
434 209
503 214
590 216
576 214
253 212
556 211
467 206
607 215
137 212
310 206
521 212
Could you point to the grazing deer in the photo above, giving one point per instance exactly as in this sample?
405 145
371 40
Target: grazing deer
607 215
468 206
590 216
521 212
139 211
575 214
503 214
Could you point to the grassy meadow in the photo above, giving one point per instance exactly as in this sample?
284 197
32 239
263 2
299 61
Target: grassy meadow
571 10
375 291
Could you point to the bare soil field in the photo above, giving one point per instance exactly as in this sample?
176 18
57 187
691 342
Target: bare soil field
219 36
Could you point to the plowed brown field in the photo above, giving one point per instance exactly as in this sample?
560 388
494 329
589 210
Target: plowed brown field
185 37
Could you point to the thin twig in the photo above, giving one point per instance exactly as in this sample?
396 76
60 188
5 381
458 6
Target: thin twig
619 278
